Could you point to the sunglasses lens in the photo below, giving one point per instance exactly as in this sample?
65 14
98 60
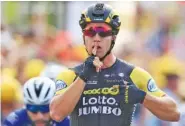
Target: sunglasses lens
38 108
103 32
44 109
89 33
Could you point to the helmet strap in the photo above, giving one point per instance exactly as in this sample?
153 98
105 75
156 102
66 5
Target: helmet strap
84 44
109 51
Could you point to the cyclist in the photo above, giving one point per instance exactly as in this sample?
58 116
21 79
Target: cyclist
104 90
38 92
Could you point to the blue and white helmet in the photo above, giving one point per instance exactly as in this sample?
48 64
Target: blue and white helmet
39 91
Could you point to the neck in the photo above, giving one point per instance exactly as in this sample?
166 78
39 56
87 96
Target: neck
109 60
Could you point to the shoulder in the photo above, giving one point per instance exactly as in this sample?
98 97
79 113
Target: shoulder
133 71
140 77
137 75
140 72
65 73
126 66
67 76
15 118
143 80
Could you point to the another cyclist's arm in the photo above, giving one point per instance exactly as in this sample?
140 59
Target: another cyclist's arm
155 100
66 99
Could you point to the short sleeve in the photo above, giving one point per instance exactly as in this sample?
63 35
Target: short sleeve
63 80
144 81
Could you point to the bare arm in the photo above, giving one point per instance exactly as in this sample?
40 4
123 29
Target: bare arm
63 104
162 107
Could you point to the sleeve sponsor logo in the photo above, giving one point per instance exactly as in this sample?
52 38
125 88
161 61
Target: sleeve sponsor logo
152 87
60 85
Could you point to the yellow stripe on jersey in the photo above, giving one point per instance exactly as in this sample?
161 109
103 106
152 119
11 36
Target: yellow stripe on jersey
60 91
145 82
67 77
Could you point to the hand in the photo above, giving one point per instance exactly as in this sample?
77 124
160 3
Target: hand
91 64
132 94
86 71
98 64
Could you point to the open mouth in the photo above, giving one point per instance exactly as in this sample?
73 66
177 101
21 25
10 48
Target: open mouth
98 47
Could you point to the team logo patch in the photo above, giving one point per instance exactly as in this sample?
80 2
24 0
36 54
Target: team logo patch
152 87
60 85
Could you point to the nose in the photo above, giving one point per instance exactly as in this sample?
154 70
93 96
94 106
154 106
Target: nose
40 115
97 37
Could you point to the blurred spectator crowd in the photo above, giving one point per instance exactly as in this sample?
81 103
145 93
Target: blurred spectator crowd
151 38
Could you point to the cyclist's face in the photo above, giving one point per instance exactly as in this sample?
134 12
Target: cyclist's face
40 119
99 34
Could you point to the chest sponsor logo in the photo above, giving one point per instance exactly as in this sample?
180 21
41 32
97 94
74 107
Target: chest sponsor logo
92 82
106 75
121 74
106 91
100 104
109 75
101 101
114 80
